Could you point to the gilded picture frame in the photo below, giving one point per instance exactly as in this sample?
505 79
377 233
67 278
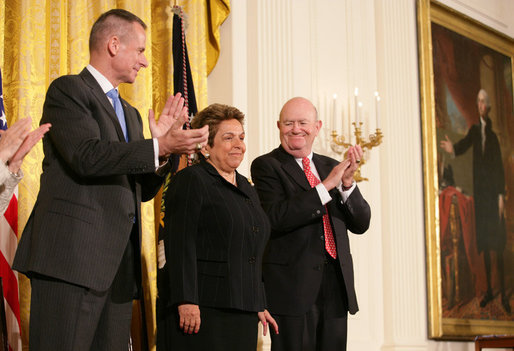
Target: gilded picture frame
469 292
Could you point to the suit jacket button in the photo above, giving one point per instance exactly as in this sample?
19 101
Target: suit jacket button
318 211
322 237
251 260
132 217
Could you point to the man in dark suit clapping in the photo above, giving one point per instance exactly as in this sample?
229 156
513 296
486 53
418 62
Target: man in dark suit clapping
311 201
81 245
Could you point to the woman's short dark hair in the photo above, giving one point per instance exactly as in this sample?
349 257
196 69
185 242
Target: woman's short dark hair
213 115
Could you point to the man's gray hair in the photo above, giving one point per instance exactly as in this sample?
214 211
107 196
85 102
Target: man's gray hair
486 98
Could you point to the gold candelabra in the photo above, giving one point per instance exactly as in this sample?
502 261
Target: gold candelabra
338 145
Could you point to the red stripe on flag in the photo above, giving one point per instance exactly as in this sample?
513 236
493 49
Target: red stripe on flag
10 285
8 243
11 215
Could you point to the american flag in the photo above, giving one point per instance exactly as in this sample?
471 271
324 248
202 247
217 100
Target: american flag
8 244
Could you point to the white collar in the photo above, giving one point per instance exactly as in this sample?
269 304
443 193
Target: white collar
100 78
309 156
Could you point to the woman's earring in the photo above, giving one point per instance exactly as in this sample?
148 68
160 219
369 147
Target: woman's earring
206 155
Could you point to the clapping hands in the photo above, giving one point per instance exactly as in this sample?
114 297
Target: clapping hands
18 140
168 130
345 170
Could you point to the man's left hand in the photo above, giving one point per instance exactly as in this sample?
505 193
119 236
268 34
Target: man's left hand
354 155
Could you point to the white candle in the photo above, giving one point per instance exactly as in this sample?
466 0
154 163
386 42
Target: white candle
377 109
356 107
342 120
349 122
359 114
334 112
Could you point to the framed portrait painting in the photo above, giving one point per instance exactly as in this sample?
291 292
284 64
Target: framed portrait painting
466 79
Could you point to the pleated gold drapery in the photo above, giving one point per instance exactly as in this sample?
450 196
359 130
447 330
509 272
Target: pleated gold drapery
44 39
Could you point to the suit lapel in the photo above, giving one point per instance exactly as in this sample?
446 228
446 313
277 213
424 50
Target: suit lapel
243 186
291 167
322 168
98 93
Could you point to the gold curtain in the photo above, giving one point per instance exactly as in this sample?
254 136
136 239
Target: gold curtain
44 39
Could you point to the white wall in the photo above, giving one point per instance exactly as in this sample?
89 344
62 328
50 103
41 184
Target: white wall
273 50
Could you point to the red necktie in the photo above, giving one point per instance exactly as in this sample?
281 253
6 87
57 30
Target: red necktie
330 244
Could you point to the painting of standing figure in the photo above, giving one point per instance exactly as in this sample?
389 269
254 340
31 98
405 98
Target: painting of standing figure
468 123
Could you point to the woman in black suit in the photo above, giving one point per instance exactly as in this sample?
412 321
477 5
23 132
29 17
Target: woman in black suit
211 295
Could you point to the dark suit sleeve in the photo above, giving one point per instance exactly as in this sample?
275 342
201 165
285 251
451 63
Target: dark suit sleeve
356 212
78 134
183 207
150 186
465 143
286 213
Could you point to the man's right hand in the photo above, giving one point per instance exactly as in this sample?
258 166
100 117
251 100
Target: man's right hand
447 145
345 170
335 175
180 141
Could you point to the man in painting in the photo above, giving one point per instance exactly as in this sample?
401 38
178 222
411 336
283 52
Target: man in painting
488 192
